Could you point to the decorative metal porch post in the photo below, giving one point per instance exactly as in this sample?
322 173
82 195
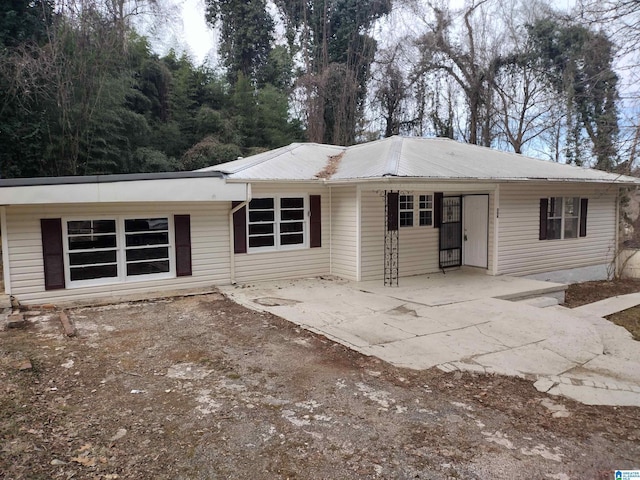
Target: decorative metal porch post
391 247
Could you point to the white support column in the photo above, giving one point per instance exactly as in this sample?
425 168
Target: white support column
496 228
6 270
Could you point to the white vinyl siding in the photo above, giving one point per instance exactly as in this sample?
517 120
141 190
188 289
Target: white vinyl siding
281 264
492 233
209 249
344 228
520 252
372 225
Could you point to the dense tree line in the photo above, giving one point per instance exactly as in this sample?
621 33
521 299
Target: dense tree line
81 92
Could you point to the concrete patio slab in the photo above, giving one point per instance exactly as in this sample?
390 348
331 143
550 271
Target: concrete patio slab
525 360
609 306
465 327
461 286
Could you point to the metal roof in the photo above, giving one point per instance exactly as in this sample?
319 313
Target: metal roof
298 161
406 157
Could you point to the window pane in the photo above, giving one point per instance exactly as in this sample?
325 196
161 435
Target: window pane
89 258
571 206
261 215
260 228
91 226
571 228
554 229
147 268
426 217
291 239
266 241
406 219
292 203
91 242
88 273
147 253
426 202
292 227
261 204
146 224
555 207
406 202
292 215
134 240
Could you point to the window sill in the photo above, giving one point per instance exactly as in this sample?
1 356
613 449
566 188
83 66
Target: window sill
255 250
100 282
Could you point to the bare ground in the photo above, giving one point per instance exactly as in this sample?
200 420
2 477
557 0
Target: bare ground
201 388
588 292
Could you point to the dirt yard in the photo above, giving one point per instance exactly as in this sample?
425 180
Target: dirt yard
201 388
588 292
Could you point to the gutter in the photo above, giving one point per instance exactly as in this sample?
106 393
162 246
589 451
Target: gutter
5 251
397 179
129 177
232 253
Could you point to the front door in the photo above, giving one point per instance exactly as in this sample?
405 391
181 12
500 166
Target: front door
475 217
451 233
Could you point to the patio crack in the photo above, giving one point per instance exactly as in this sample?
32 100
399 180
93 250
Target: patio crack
577 364
418 335
499 342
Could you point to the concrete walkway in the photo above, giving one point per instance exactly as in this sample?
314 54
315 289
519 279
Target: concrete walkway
574 353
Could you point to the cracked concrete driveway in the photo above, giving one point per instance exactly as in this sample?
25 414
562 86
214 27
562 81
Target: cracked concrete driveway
570 353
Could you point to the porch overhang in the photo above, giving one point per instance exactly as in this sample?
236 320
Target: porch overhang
427 185
161 187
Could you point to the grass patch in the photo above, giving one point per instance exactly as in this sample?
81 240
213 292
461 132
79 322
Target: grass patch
629 319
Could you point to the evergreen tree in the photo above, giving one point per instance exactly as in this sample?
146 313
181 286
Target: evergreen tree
579 63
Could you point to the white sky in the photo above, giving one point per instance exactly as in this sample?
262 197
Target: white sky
198 36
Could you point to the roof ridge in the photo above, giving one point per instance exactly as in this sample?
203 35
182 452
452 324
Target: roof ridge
395 151
264 157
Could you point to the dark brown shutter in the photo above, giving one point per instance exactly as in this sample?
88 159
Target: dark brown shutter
544 208
182 226
437 209
239 229
584 203
315 222
392 211
52 253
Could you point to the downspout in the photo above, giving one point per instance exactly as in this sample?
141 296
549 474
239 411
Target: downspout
330 229
496 229
5 250
232 254
616 248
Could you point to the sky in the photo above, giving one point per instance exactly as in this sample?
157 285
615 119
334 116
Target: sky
181 26
198 36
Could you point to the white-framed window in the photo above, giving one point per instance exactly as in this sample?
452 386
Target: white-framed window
405 205
415 210
278 222
563 218
147 246
117 249
92 249
425 210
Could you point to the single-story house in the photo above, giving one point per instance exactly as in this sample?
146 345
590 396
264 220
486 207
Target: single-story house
376 211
